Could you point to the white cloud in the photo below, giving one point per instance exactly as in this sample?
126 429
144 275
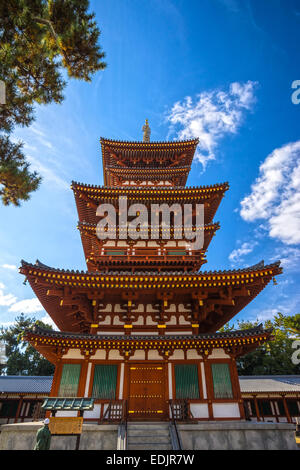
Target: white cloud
11 267
275 194
48 320
211 116
289 257
26 306
237 254
6 299
47 173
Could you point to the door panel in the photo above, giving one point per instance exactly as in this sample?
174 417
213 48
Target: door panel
147 392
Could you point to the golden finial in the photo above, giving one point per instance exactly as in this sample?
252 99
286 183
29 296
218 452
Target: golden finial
147 132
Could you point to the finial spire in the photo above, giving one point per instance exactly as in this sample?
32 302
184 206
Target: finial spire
147 132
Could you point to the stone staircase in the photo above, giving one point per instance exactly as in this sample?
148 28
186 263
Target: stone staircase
148 436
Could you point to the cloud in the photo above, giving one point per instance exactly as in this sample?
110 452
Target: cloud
26 306
48 320
275 194
289 257
6 299
47 173
11 267
237 254
211 116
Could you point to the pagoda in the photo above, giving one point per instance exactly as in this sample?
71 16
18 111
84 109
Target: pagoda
141 325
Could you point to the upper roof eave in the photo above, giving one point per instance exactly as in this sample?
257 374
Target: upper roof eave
257 267
255 331
84 186
140 143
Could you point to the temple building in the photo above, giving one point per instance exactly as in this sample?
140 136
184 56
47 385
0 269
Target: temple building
140 328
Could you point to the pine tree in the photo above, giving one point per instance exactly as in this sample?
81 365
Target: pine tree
273 357
22 358
38 40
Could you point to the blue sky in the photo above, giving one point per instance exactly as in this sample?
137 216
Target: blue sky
220 70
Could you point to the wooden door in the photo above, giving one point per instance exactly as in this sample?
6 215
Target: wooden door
147 392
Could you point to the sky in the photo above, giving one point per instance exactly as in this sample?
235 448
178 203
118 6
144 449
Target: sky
219 70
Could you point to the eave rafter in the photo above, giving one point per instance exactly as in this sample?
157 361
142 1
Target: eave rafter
216 296
55 344
88 198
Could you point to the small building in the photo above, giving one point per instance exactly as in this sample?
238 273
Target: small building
21 397
273 398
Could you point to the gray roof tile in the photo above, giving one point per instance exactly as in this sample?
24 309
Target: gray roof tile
25 384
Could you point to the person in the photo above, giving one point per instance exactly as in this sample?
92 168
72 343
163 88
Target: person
43 437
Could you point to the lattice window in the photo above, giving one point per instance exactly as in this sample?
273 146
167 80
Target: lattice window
186 381
221 380
69 380
105 382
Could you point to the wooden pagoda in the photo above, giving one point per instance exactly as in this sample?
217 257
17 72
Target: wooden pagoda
139 327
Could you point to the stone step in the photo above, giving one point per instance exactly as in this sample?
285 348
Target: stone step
144 433
149 446
151 439
145 427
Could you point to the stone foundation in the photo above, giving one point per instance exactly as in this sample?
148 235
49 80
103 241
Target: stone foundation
94 437
238 435
225 435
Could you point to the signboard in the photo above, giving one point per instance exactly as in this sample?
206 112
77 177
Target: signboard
66 425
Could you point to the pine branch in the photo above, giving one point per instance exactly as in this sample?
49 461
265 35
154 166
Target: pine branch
52 30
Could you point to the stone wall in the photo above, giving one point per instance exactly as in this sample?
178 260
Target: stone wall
222 435
238 435
94 437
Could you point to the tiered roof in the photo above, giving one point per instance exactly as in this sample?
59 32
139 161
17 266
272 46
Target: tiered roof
236 343
138 155
76 301
70 297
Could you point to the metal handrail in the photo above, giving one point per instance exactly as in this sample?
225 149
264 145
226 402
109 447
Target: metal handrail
178 444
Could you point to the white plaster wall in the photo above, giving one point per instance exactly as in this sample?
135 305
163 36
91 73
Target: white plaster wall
114 354
66 414
95 413
177 355
218 353
153 355
226 410
144 333
138 356
182 321
73 354
199 410
192 354
100 355
170 333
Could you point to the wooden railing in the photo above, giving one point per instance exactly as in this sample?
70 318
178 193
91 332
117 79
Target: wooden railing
180 409
145 257
116 412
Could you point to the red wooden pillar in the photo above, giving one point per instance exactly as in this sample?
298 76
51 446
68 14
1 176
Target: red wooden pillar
19 409
289 420
256 408
236 387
